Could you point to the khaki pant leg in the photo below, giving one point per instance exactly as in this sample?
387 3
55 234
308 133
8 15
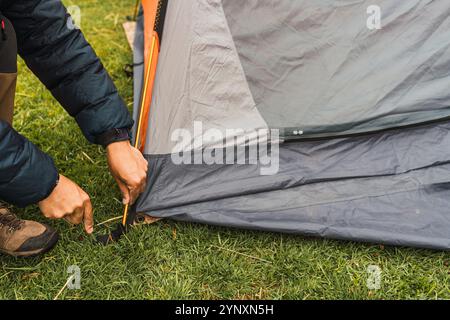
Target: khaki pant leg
7 93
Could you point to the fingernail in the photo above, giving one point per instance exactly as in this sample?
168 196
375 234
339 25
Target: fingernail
124 201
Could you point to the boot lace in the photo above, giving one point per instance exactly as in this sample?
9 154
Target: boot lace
10 221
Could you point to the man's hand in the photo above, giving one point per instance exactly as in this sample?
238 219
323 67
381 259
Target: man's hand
129 169
68 201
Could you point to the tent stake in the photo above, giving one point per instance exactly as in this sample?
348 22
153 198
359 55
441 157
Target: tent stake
136 10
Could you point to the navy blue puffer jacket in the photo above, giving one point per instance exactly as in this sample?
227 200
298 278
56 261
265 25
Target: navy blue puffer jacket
67 65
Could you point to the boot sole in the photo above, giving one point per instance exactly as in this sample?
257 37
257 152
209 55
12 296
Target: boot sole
29 254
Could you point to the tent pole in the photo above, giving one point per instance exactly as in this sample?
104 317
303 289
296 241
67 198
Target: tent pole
137 143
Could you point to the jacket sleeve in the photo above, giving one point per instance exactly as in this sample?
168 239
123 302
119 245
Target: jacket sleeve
27 175
64 61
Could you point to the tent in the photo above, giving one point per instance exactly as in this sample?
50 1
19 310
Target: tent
300 117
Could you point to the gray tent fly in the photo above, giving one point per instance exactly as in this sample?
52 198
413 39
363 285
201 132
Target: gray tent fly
324 118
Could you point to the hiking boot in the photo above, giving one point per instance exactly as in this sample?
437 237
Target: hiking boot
23 238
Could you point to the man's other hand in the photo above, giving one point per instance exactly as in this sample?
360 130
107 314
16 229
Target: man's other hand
68 201
129 169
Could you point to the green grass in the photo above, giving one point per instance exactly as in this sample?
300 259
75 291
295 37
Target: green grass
170 260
